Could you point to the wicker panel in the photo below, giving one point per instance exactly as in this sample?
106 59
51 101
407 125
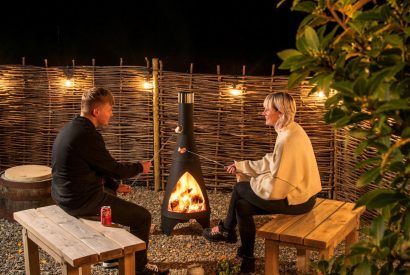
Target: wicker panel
35 104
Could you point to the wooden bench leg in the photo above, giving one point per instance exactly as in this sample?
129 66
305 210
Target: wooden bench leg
326 253
127 264
67 269
351 239
31 259
303 260
85 270
271 258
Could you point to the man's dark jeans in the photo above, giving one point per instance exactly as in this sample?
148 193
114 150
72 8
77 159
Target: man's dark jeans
123 212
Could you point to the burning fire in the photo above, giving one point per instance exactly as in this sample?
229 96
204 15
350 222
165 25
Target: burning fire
187 196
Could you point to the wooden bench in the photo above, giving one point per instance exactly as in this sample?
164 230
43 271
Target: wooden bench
321 229
75 243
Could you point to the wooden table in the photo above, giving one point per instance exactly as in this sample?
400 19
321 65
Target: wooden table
75 243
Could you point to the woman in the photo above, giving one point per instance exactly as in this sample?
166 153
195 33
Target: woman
285 181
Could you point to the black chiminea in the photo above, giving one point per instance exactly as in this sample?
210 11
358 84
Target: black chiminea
185 193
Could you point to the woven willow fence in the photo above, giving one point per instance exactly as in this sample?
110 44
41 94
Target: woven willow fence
35 104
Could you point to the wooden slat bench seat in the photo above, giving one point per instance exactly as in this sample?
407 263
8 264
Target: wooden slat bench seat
322 229
75 243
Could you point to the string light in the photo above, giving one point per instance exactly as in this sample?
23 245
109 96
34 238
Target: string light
68 83
236 90
321 94
147 84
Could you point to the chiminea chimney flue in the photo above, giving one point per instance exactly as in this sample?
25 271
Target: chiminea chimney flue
185 193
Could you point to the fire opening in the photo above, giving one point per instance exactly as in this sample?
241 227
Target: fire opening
187 196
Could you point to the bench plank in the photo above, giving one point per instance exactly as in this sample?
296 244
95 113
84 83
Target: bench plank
279 223
332 231
123 238
64 244
305 225
105 248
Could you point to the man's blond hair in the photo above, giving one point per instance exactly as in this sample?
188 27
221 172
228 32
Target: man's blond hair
94 97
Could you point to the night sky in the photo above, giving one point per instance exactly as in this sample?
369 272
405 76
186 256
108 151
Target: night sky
207 33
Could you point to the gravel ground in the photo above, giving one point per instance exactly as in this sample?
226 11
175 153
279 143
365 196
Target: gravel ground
183 248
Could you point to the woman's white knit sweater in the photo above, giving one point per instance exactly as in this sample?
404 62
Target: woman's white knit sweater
289 172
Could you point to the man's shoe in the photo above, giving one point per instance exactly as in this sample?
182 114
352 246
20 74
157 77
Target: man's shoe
151 269
220 234
110 263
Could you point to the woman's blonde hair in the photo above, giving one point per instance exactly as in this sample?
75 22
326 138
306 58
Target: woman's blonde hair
285 104
95 97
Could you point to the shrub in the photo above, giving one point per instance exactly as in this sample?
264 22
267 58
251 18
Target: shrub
357 52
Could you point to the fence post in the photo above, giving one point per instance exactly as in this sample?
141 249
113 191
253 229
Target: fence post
156 131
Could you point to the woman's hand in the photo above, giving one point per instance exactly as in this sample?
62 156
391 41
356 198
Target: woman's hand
146 165
231 169
123 188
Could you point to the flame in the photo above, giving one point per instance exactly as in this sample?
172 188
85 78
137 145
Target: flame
187 196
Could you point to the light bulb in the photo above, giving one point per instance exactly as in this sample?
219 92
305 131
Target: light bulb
236 92
68 83
147 85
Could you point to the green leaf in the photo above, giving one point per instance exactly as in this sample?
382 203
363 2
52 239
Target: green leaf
364 200
406 224
380 201
384 74
368 177
363 269
369 16
323 266
389 241
334 115
359 117
374 161
378 229
360 86
344 121
296 78
311 37
301 45
333 100
359 249
329 38
359 133
305 6
407 170
285 54
322 81
344 87
406 132
393 105
361 147
296 61
396 166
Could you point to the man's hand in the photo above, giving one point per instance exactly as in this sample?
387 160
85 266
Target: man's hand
123 188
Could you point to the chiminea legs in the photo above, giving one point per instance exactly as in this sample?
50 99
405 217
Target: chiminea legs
204 222
168 224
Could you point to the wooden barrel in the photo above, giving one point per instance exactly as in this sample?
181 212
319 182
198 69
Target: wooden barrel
23 187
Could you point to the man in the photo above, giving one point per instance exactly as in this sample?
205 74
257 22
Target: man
82 166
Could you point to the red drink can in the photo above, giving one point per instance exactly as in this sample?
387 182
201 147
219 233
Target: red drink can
105 214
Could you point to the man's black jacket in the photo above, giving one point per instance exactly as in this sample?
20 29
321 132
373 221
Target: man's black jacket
79 161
